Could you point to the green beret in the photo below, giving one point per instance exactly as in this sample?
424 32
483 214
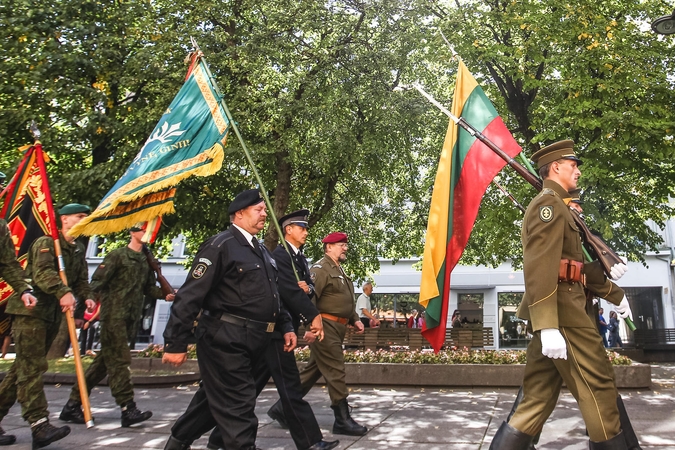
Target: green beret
554 152
74 208
245 199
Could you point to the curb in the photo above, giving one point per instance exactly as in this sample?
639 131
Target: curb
635 376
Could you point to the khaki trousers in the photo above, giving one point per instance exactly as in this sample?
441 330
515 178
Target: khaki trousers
587 374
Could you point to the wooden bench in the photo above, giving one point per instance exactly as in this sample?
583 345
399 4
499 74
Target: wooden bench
469 338
378 338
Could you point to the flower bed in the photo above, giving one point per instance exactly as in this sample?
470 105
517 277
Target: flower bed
412 357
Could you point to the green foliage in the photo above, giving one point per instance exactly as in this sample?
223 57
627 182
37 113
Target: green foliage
311 86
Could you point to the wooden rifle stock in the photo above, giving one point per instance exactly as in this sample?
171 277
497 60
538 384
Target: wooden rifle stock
155 265
600 250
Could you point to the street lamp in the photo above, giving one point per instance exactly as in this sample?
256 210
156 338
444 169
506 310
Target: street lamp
664 24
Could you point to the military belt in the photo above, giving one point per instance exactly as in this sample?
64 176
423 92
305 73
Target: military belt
267 327
571 271
342 320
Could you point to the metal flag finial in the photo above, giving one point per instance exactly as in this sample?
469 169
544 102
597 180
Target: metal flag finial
35 131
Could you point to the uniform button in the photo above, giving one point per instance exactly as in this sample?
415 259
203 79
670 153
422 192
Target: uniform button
257 265
569 289
240 270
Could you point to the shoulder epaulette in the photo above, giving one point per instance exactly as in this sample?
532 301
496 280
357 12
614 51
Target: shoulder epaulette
221 238
547 191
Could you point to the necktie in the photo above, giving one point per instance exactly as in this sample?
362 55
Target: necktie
256 246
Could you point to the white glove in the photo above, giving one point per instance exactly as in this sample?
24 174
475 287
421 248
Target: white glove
553 344
595 301
624 309
618 270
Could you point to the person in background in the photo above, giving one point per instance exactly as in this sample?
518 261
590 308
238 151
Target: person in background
456 319
363 307
614 337
603 327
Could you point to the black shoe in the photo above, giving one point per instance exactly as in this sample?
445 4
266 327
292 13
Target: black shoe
175 444
618 442
276 412
72 412
510 438
626 427
344 424
45 433
132 415
324 445
6 439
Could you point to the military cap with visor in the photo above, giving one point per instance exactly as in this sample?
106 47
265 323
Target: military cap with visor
334 238
299 217
74 208
575 196
245 199
554 152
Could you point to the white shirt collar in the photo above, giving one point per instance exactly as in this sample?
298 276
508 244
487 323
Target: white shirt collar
246 234
295 249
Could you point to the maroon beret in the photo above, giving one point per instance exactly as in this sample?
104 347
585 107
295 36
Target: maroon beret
332 238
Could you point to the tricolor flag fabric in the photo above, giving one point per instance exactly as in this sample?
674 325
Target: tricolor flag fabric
465 169
188 140
27 208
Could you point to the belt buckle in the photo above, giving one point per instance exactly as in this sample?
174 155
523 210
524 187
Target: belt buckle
270 327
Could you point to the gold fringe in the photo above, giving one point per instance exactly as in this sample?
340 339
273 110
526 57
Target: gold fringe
87 228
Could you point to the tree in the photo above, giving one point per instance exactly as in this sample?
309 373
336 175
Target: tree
589 71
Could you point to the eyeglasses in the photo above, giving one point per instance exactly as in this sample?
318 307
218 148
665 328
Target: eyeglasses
342 244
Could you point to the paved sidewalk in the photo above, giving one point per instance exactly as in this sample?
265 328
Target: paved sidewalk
408 418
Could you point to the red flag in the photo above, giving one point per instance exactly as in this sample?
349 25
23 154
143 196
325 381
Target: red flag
28 209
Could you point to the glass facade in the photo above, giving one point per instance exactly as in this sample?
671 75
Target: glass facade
512 332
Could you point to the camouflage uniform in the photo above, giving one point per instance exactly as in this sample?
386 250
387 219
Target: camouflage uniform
10 270
34 330
121 281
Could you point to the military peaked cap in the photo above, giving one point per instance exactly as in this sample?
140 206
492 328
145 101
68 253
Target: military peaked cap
245 199
74 208
559 150
335 237
575 195
298 217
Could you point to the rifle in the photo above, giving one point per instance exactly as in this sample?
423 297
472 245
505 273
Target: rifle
156 266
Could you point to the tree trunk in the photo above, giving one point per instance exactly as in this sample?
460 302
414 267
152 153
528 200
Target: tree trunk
282 195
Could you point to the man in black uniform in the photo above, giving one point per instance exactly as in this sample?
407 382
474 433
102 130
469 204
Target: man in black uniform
278 363
233 281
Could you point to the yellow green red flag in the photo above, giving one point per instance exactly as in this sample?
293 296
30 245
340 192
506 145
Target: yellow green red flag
465 169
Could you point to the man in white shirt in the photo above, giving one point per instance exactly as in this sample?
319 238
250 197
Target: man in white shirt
363 306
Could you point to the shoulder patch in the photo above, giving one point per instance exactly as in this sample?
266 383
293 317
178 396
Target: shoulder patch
317 265
199 270
312 275
205 261
546 213
44 250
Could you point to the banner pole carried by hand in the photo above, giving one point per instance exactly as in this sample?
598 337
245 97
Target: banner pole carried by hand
84 395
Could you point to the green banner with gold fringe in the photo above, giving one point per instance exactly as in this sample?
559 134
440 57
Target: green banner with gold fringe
188 140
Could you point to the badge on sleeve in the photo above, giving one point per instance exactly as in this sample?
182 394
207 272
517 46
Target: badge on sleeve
312 275
199 271
546 213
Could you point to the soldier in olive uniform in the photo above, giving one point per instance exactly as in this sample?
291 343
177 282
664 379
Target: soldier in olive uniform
334 294
11 271
565 345
34 329
120 282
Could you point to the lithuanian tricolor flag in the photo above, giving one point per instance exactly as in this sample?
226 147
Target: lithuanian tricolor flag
465 169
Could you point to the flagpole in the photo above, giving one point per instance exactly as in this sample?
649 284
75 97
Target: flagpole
233 124
82 384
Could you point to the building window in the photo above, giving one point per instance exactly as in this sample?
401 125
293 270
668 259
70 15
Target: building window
393 310
470 306
512 332
647 306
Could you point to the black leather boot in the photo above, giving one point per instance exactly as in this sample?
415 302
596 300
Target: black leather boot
324 445
132 415
519 398
72 412
618 442
6 439
45 433
510 438
175 444
344 424
276 412
626 427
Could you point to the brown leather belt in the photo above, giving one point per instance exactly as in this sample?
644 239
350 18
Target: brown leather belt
342 320
571 271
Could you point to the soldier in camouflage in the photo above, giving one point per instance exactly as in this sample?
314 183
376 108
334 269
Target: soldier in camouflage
14 275
120 283
34 328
